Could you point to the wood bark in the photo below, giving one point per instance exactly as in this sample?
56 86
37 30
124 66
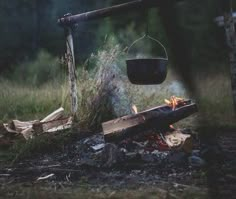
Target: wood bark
28 133
71 69
111 11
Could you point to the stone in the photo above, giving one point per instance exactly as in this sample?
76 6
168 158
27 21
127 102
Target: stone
196 161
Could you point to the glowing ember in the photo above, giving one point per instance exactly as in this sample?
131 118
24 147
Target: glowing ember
175 102
134 109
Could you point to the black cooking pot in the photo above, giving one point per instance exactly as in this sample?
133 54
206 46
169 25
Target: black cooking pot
147 71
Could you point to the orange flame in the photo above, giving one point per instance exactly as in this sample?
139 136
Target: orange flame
174 102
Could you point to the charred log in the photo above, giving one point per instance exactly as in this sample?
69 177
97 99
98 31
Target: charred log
158 118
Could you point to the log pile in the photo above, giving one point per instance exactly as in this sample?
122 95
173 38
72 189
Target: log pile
54 122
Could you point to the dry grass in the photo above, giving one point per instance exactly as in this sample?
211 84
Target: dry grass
98 94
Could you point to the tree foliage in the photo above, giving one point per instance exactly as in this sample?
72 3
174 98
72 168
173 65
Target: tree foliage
27 26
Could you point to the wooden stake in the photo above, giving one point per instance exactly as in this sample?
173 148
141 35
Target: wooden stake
70 58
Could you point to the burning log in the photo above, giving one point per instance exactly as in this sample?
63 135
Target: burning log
158 118
175 101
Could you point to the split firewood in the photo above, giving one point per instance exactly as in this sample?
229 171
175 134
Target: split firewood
37 128
19 126
52 126
54 115
60 125
28 133
52 123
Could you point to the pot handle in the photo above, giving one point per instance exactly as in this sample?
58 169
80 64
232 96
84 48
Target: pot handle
151 38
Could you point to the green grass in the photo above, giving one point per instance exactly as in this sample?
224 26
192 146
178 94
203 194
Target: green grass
26 102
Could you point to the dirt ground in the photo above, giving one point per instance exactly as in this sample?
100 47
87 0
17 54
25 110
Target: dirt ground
64 174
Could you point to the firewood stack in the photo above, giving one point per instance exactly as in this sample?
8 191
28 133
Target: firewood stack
55 122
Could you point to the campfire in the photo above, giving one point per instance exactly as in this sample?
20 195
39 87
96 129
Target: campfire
157 119
147 136
149 132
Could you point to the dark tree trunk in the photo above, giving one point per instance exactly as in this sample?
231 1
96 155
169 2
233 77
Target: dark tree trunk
231 42
37 25
179 48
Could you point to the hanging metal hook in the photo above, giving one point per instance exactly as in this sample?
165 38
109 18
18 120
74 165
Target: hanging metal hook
146 35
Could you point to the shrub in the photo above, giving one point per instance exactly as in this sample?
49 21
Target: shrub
43 69
101 96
